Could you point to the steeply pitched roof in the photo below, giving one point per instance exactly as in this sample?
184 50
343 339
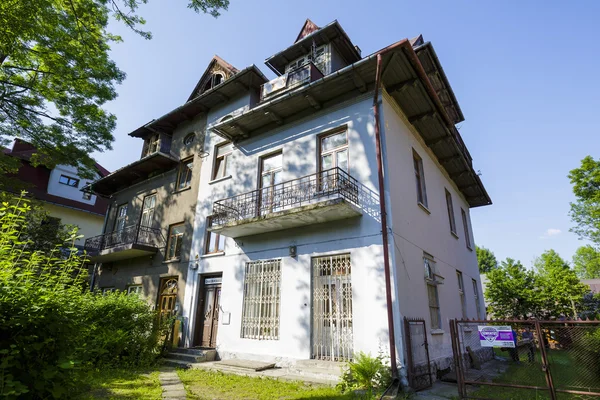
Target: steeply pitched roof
308 28
207 72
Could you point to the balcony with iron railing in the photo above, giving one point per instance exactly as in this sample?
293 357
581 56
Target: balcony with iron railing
130 242
321 197
305 74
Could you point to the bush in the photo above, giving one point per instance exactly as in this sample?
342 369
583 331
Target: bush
366 373
587 352
51 328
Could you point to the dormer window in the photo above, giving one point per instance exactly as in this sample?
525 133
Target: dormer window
215 79
151 145
317 55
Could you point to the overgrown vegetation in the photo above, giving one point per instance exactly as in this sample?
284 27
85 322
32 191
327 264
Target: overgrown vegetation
52 329
371 374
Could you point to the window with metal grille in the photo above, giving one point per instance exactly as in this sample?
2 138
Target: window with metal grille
260 313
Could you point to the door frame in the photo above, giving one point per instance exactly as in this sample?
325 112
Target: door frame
199 317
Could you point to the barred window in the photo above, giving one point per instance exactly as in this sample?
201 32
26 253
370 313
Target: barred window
260 313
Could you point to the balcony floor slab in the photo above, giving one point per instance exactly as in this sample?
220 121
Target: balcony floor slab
310 214
124 252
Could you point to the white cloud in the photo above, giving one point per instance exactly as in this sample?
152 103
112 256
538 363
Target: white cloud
550 232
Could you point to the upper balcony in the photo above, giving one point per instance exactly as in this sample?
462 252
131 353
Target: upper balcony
130 242
297 77
322 197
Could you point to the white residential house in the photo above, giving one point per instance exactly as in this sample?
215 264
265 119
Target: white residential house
287 259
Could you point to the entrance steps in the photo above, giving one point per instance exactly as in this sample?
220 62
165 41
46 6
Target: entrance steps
187 358
327 370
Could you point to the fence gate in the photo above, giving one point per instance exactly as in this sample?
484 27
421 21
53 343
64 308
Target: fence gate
332 309
551 360
419 366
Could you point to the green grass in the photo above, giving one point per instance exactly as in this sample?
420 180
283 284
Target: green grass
121 384
566 372
202 384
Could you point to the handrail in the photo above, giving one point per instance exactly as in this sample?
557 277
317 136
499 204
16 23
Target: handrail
132 234
331 183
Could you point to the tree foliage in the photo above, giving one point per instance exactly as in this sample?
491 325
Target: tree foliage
486 260
585 211
586 262
56 74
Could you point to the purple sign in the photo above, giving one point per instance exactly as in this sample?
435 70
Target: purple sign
496 336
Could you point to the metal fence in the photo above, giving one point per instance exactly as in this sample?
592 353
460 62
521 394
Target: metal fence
551 360
133 234
419 366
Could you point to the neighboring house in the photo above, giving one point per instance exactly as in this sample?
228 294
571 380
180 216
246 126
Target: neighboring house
594 284
59 190
282 253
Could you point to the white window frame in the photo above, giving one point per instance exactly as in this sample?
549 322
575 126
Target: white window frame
225 161
419 179
461 293
135 289
431 281
184 176
465 220
450 208
177 239
261 310
476 296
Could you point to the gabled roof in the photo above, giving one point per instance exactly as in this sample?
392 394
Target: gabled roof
308 28
215 60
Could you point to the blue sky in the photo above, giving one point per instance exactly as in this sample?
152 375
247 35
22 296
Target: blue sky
525 74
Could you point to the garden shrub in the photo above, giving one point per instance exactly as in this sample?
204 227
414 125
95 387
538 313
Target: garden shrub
366 373
51 327
586 350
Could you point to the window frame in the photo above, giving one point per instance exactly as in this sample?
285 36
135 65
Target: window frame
146 210
461 293
68 182
334 151
189 139
151 141
86 196
178 237
466 228
108 289
476 297
250 328
136 286
419 179
434 308
118 217
207 239
225 158
450 209
184 165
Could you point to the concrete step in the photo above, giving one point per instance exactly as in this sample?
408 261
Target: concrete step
247 364
210 353
171 362
320 365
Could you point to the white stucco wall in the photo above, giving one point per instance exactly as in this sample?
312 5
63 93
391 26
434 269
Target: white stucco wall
360 237
416 231
68 192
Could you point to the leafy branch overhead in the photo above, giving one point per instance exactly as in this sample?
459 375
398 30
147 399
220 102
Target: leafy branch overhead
56 74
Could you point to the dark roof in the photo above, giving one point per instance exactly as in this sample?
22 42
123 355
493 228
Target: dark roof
247 79
133 173
332 32
405 80
215 60
308 28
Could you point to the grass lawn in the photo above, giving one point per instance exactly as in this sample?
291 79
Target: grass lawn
566 372
201 384
122 384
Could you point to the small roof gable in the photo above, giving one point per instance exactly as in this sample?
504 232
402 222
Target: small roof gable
216 63
308 28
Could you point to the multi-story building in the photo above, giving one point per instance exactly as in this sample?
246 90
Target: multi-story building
332 201
59 191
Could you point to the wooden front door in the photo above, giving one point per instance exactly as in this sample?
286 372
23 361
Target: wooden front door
167 298
210 306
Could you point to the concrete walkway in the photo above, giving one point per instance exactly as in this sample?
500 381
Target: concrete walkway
171 385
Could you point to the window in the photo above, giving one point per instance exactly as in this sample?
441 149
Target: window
466 227
106 290
419 179
184 177
432 291
69 181
189 139
476 294
450 212
148 210
121 217
213 81
222 154
174 243
260 312
334 151
461 294
135 289
215 243
87 196
151 145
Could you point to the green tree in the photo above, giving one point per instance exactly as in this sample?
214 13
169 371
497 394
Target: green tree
586 262
560 290
585 211
486 260
511 291
56 74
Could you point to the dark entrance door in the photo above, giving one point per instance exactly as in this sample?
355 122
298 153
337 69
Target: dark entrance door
208 311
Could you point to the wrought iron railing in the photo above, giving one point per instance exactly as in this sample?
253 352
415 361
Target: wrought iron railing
331 183
133 234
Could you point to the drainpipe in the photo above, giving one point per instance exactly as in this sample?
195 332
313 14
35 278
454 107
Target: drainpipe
384 229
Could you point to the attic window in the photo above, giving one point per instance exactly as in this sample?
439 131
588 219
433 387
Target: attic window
213 81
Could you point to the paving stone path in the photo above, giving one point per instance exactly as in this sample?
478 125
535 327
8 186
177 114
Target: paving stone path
171 385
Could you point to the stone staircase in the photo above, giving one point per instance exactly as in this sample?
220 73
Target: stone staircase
188 358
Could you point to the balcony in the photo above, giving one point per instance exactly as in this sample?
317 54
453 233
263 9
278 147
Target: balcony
322 197
297 77
129 242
